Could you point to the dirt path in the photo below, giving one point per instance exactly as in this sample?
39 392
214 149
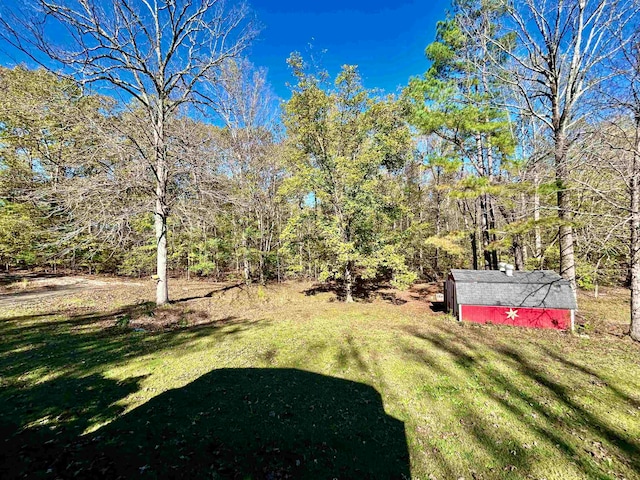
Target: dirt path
29 290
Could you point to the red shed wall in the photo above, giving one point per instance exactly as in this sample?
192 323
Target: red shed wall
523 317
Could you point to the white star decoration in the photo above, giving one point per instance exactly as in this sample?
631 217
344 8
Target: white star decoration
512 314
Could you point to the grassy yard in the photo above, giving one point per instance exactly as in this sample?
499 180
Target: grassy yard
276 383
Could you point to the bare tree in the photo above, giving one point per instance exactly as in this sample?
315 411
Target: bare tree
612 158
246 105
558 49
157 52
631 103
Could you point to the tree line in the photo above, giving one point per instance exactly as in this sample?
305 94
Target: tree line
146 143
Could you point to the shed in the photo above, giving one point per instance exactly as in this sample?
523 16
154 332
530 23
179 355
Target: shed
536 299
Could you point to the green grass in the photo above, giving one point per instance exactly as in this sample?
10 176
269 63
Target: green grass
278 384
608 313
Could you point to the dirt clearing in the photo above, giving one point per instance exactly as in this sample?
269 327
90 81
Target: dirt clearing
21 291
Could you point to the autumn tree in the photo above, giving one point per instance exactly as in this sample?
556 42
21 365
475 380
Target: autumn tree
48 128
341 141
156 53
249 113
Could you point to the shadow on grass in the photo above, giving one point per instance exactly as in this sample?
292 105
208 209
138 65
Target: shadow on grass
53 383
42 292
242 423
256 423
362 290
596 379
39 422
44 345
7 278
368 291
540 401
238 423
437 307
210 294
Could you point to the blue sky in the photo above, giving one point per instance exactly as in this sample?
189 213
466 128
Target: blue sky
386 39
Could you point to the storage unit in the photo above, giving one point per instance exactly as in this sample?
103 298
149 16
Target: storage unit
536 299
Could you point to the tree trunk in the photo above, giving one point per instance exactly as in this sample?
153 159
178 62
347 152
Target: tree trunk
474 249
490 203
189 263
518 253
567 258
348 283
484 212
162 289
493 254
634 330
245 259
473 236
262 267
536 219
436 259
484 232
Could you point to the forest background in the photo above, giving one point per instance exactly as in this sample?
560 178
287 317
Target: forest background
144 142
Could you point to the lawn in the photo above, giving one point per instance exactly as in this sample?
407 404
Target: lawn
275 382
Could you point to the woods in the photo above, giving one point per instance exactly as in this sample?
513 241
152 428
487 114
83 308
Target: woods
144 142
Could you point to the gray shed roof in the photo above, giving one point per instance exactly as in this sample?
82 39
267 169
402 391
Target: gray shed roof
535 289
